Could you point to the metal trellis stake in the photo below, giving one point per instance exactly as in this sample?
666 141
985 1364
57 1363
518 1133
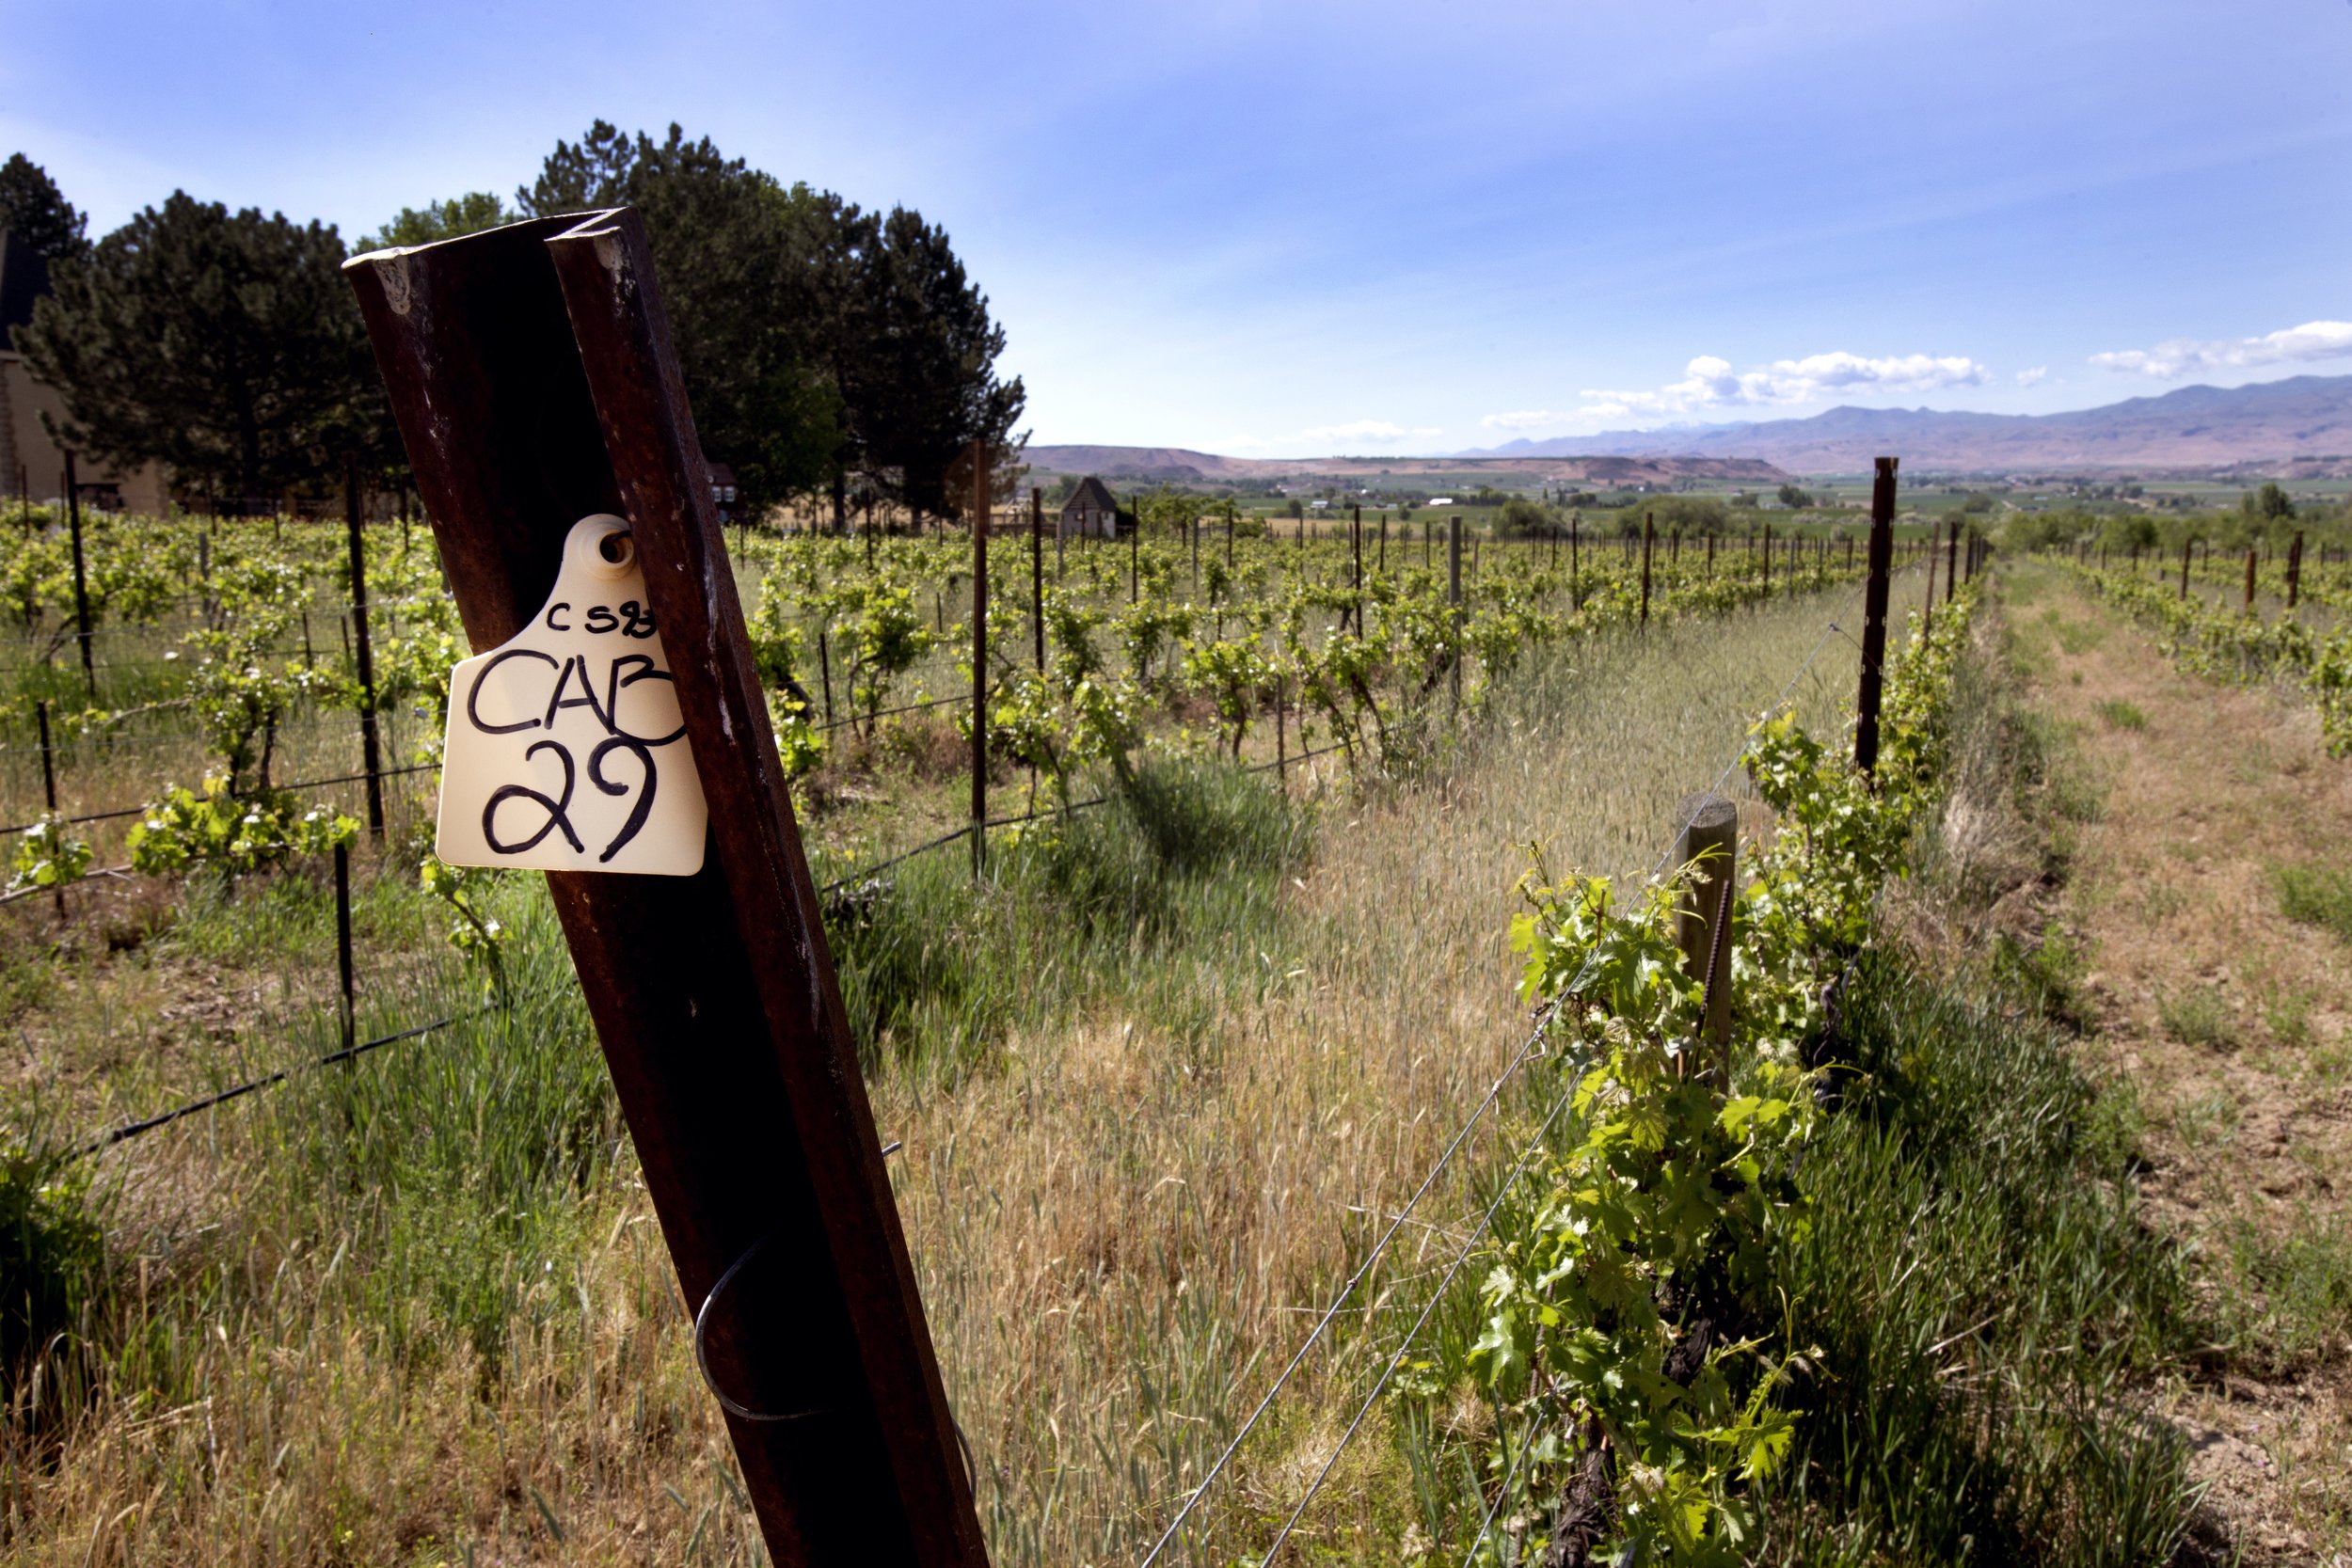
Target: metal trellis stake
980 656
533 377
81 579
1454 599
1649 537
370 756
1881 561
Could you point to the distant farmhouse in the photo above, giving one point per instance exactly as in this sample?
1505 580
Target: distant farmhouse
1089 511
31 464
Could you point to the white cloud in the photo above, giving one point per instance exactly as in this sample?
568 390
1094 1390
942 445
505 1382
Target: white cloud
2032 376
2180 356
1710 383
1527 419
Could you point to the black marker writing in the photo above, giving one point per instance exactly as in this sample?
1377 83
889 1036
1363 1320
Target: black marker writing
557 809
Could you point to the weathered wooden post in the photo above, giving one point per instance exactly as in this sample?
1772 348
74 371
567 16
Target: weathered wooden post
81 577
2186 546
1576 568
370 756
980 656
533 378
1707 841
1768 563
2294 569
1951 564
1879 562
2249 580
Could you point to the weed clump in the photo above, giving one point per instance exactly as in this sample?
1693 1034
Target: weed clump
52 1254
2317 895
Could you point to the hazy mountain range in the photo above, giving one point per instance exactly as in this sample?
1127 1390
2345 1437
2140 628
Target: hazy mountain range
2298 428
1183 466
2304 422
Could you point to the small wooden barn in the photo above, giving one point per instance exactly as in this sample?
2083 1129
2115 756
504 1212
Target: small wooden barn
1089 510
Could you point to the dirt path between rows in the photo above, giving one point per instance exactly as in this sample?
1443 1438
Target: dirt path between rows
2232 1027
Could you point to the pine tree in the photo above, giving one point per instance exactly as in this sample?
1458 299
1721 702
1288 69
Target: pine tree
920 384
469 213
35 211
226 345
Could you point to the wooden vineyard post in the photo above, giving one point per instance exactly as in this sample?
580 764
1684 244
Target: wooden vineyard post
1711 558
2295 568
1768 563
2186 546
1576 568
1649 536
1951 564
2250 579
1454 599
1878 567
979 654
1036 570
370 757
1135 548
533 381
80 579
1707 828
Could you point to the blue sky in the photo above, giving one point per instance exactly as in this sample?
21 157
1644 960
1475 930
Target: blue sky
1307 227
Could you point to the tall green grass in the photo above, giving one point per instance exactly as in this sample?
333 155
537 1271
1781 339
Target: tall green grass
1985 1299
936 964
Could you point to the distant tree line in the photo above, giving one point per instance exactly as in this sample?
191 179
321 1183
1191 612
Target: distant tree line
823 346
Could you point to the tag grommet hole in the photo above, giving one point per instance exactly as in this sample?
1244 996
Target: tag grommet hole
619 549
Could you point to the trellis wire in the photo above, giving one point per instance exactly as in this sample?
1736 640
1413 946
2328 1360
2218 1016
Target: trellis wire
1194 1497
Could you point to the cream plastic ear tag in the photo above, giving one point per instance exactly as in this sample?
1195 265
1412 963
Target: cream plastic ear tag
565 750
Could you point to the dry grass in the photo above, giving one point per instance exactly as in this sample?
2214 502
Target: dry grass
1120 1230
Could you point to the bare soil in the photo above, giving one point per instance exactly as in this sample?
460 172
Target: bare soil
2231 1026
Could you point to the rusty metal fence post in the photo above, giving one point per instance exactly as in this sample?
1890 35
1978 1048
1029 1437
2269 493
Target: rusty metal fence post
533 381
